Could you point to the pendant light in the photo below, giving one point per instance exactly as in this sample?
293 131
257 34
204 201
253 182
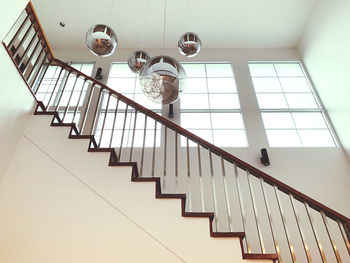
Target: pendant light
189 43
138 58
101 39
162 78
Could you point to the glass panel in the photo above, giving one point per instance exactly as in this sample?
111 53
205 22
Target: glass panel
194 70
224 101
227 120
283 138
262 70
277 120
295 85
195 120
194 101
204 134
301 101
219 70
222 85
144 101
196 85
87 69
272 101
266 85
316 138
309 120
289 70
122 85
230 138
121 70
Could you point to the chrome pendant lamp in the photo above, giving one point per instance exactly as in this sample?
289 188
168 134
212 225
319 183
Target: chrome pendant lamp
189 43
162 78
101 39
139 58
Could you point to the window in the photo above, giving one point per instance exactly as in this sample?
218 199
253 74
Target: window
210 106
289 108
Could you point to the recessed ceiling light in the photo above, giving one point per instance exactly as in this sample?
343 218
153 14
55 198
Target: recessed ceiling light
62 24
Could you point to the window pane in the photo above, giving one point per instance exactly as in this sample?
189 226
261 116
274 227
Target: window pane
204 134
224 101
295 85
278 120
195 120
301 101
221 85
283 138
289 70
272 101
262 70
227 120
266 85
309 120
196 85
316 138
219 70
144 101
87 69
122 85
194 70
230 138
194 101
121 70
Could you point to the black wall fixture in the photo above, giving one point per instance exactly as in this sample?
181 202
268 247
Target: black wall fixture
171 111
264 157
99 75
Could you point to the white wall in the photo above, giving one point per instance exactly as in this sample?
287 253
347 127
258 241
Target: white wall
321 173
16 101
324 48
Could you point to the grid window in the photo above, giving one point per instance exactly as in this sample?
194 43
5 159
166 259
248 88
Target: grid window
124 81
210 106
290 111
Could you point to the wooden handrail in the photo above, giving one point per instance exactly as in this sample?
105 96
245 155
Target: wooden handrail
214 149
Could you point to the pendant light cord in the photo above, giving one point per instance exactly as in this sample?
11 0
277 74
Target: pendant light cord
188 16
164 27
110 10
144 25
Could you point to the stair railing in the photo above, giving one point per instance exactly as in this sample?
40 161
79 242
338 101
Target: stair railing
273 220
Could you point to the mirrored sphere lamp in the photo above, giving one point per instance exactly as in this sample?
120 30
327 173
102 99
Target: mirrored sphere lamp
189 44
137 59
101 40
162 79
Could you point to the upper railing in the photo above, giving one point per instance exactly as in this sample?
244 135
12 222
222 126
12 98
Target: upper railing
275 218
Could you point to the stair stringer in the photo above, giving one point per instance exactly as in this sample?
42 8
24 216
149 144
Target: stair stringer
187 237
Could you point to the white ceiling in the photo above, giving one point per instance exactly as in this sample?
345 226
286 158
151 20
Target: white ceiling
219 23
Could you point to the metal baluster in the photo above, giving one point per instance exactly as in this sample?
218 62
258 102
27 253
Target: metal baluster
122 139
306 247
19 30
241 206
78 102
200 178
22 40
143 145
216 214
133 137
176 161
31 56
37 73
154 147
61 95
27 48
94 122
319 245
284 223
227 198
53 91
334 246
114 120
346 240
189 176
104 120
35 63
83 120
41 80
257 223
70 97
277 248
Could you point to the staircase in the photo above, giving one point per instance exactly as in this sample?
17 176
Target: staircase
271 220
